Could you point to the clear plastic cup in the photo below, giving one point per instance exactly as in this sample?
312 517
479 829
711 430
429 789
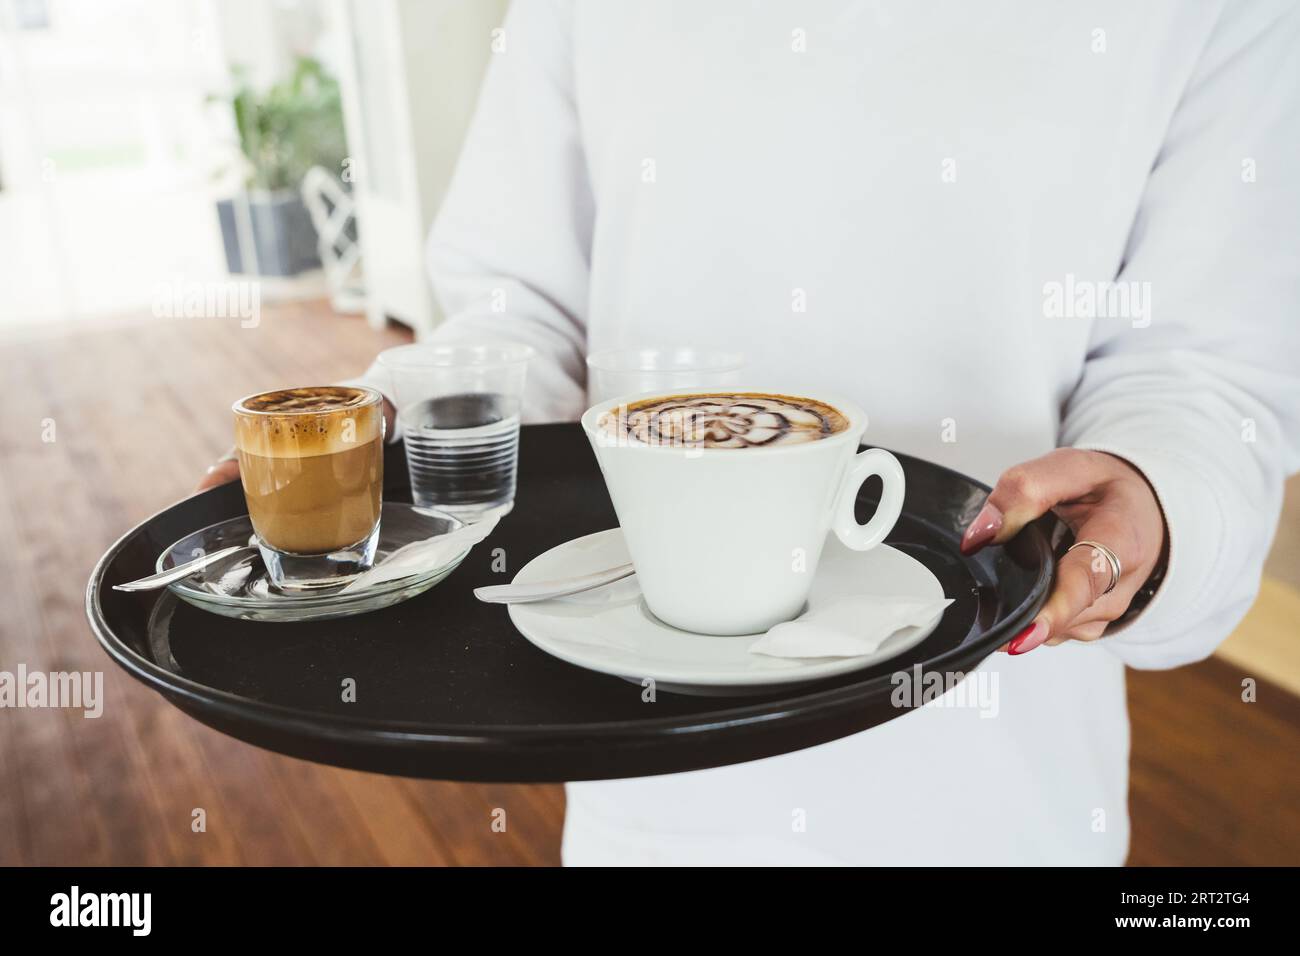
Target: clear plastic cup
616 372
459 408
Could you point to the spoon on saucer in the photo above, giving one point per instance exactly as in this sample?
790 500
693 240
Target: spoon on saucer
154 582
235 580
545 590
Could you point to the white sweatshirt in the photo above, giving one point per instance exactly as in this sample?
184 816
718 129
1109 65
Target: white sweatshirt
912 204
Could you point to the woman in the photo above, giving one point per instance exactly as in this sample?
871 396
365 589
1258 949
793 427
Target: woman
1055 246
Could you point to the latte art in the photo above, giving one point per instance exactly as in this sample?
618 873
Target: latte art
740 420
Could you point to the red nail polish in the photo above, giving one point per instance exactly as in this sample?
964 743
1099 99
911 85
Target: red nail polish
1028 639
982 530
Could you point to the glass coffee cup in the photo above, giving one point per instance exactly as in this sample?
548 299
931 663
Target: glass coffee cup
312 464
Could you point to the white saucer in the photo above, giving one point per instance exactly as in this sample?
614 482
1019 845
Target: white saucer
611 630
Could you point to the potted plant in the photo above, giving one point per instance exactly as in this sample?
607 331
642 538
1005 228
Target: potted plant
283 131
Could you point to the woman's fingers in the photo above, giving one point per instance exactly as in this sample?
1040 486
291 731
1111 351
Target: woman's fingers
1102 498
1079 632
1083 599
220 473
1077 586
1029 491
1089 631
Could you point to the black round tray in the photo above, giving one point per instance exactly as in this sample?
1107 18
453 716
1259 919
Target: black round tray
446 688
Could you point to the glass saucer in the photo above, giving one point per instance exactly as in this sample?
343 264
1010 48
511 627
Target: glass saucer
241 588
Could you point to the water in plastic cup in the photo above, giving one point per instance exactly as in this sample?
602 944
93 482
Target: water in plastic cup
462 451
459 408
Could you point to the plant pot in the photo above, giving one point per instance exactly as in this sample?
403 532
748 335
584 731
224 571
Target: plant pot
281 232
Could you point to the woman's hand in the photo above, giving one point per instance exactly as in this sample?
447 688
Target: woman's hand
1102 498
222 471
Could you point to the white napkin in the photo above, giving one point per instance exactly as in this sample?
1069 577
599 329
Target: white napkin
420 555
847 627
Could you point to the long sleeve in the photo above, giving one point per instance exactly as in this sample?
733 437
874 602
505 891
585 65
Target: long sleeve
1205 400
509 254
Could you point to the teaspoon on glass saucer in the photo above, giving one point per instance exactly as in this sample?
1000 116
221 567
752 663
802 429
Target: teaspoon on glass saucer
154 582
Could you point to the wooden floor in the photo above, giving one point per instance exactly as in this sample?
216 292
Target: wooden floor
138 408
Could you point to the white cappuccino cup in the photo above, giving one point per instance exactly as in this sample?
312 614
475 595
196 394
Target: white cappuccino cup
726 540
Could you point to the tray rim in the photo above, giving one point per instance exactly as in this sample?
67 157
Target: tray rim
813 704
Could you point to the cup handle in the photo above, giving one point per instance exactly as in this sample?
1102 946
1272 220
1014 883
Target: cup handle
862 537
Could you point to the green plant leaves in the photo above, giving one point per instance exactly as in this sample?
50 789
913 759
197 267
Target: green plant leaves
289 127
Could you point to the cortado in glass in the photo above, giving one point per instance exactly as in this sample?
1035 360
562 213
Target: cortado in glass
312 464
